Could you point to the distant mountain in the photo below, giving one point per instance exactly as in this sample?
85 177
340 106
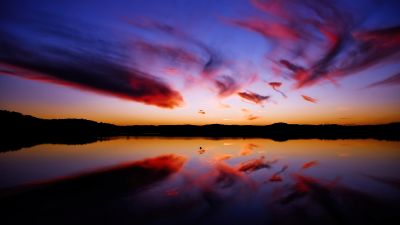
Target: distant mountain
20 130
16 124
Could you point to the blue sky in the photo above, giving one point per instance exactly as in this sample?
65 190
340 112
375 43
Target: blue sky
162 62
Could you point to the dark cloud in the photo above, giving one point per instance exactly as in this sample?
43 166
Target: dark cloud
73 60
212 66
173 54
371 48
226 85
292 67
276 86
253 97
211 59
309 99
323 37
392 80
312 41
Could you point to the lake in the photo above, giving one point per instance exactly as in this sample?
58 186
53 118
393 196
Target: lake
203 181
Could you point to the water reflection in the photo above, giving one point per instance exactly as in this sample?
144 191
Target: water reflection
204 181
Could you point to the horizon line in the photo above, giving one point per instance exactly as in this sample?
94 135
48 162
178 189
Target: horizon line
300 124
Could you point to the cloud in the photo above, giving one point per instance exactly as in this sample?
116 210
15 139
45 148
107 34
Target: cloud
209 61
253 97
211 65
224 106
226 86
175 55
392 80
271 30
276 86
84 64
309 99
324 44
310 41
372 47
252 117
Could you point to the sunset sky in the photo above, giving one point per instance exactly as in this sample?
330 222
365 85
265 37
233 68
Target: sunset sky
202 61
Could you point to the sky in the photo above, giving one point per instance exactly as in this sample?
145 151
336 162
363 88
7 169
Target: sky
202 61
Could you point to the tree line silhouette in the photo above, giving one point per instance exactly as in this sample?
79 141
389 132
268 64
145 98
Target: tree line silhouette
20 131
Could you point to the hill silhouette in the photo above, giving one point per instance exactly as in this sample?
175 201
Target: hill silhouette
18 131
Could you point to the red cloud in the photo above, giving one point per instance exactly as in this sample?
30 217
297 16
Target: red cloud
135 86
276 86
88 65
252 117
275 31
253 97
341 51
308 98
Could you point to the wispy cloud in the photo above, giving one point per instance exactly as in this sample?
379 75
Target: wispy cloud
276 86
392 80
344 49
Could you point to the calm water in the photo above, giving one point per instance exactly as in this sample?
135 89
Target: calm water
229 180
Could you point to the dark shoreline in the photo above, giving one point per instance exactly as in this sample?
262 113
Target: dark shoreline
19 131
